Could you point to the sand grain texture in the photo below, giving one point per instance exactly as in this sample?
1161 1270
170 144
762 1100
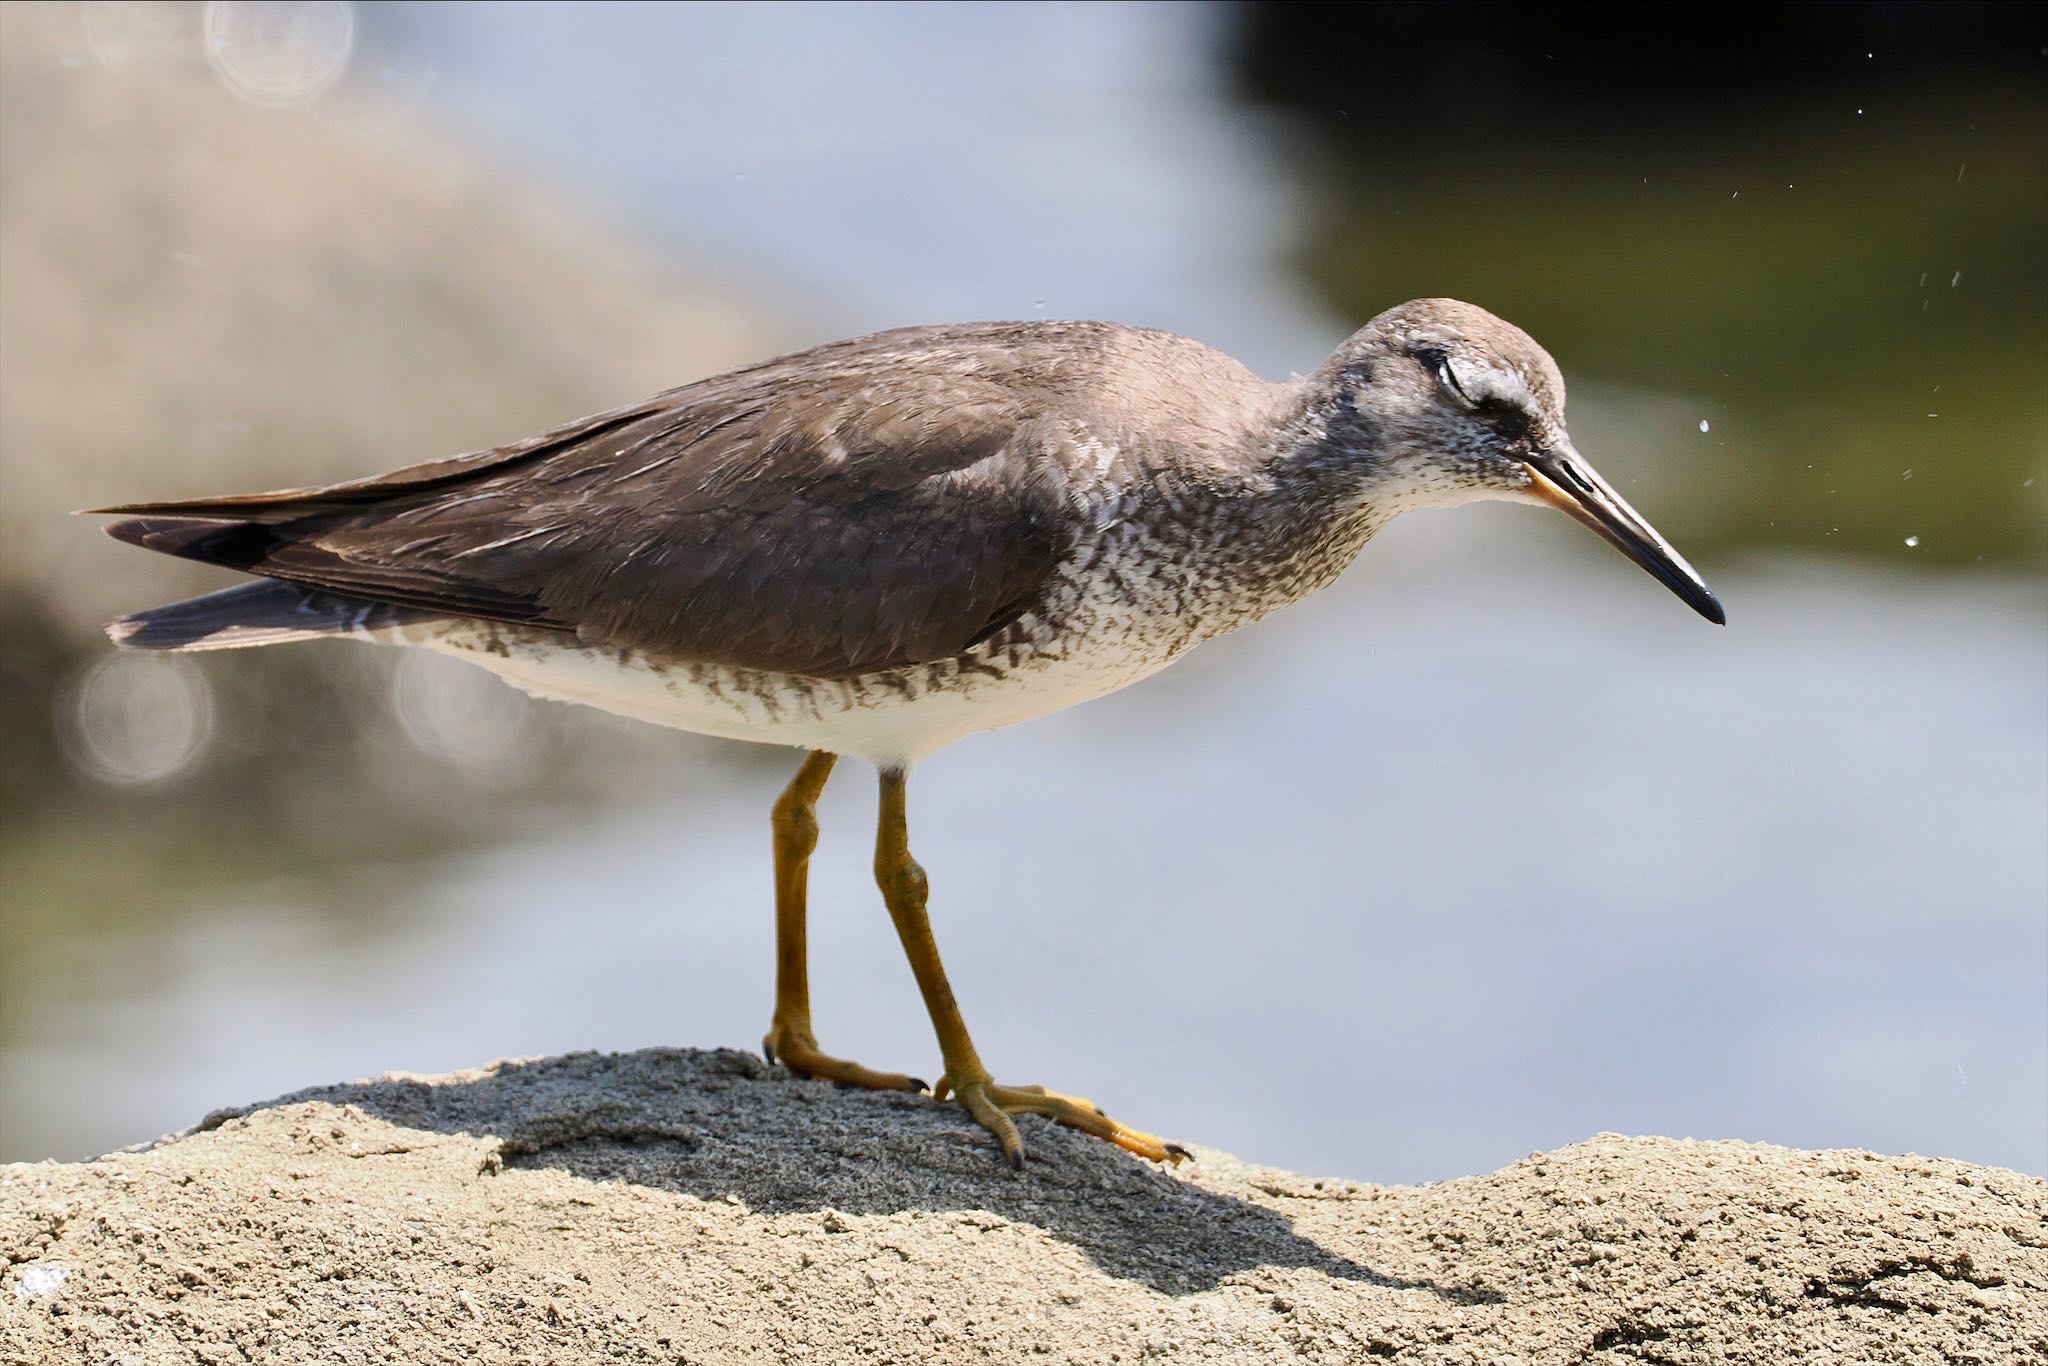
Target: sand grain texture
674 1206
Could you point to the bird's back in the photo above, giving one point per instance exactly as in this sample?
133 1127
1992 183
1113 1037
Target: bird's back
887 500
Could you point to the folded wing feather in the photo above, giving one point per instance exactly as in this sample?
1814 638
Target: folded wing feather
826 523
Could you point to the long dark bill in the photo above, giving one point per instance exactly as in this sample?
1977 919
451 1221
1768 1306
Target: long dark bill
1563 479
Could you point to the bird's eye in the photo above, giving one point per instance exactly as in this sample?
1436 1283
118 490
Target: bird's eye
1447 380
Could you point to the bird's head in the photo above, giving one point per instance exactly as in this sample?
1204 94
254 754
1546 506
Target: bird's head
1439 402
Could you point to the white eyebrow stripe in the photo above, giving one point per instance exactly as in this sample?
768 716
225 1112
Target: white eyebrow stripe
1505 386
1488 383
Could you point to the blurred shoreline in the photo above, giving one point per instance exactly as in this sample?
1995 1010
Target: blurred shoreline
1489 829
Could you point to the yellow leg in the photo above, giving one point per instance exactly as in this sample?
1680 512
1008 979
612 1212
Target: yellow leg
904 889
789 1038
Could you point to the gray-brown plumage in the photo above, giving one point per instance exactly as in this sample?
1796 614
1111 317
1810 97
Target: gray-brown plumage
880 545
863 506
869 504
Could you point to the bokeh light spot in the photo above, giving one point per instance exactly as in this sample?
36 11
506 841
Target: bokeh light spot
136 35
280 52
458 712
135 719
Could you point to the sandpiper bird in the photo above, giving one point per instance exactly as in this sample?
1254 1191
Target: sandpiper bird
881 545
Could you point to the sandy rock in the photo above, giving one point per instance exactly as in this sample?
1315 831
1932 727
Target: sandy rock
673 1206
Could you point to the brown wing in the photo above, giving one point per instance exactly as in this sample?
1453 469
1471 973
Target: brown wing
859 509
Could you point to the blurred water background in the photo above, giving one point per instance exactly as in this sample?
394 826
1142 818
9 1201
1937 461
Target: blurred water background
1491 847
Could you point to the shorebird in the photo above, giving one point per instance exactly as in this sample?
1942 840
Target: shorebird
878 546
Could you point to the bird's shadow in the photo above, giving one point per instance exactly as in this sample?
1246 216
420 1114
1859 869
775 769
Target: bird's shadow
726 1126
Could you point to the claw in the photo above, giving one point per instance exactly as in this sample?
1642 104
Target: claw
974 1098
992 1105
800 1055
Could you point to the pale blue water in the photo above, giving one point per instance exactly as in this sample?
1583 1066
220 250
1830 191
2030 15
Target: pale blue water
867 167
1488 849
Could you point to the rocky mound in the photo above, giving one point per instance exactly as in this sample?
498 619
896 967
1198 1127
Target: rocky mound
673 1206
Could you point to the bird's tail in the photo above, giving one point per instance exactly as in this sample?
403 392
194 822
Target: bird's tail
266 613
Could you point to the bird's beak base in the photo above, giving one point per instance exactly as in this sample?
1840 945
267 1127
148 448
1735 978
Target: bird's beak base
1563 479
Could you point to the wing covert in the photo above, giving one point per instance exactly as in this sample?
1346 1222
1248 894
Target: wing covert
827 526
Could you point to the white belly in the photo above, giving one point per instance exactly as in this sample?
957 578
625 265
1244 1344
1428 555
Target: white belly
1117 616
890 719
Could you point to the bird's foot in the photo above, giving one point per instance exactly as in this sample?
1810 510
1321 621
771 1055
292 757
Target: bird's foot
796 1050
992 1105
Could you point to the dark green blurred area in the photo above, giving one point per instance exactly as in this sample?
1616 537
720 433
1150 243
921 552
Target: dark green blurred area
1824 225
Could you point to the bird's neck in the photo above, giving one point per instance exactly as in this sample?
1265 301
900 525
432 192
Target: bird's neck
1268 525
1323 474
1334 460
1322 481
